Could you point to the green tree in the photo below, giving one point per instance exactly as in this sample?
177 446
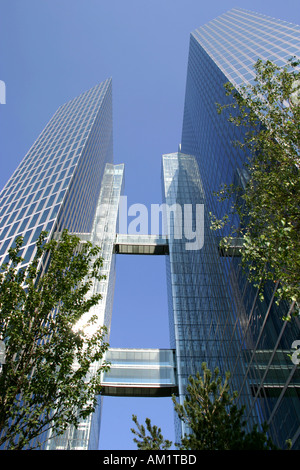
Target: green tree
45 381
214 421
153 441
269 202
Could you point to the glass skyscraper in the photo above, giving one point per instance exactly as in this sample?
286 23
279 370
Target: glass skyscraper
57 184
68 180
199 304
103 234
256 352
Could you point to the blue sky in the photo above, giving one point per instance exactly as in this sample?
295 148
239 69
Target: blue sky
53 50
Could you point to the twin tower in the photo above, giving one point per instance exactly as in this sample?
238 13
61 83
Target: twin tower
68 179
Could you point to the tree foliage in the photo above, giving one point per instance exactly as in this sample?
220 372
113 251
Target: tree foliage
212 417
153 441
45 382
268 202
215 421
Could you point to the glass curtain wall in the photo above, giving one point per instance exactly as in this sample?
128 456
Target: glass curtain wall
86 436
225 50
200 312
57 184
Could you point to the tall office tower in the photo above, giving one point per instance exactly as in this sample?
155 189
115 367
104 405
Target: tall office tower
103 234
225 50
57 184
198 301
68 180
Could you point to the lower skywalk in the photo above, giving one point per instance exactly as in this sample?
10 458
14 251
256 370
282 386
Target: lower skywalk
140 373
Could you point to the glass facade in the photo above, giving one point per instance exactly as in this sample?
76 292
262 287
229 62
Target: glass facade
57 183
225 50
200 312
236 39
68 180
103 233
